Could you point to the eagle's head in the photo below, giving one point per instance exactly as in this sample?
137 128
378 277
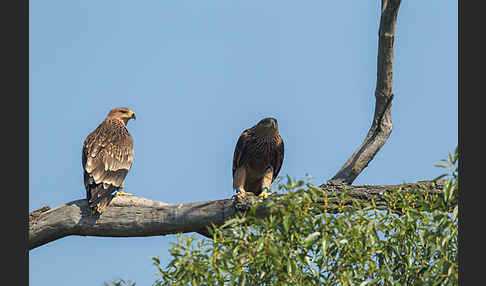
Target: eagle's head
268 126
121 113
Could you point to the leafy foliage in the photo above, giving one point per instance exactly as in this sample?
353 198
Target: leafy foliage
120 282
411 240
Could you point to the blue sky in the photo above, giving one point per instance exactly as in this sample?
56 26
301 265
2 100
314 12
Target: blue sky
197 73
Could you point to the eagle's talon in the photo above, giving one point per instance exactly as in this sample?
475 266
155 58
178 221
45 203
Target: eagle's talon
264 195
241 193
243 200
122 193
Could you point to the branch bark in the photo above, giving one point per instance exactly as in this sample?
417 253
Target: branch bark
135 217
381 126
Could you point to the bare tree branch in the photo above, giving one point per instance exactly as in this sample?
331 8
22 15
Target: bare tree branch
381 127
135 217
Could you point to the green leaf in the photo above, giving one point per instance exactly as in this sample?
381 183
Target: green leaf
343 241
324 245
289 267
439 177
285 223
441 165
454 213
260 244
311 238
447 190
233 221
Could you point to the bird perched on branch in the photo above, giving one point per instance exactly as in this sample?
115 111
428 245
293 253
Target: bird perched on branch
107 157
258 156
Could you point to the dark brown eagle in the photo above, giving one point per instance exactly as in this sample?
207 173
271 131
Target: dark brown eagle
258 156
107 158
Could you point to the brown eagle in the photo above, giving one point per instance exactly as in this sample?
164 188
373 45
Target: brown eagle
258 156
107 158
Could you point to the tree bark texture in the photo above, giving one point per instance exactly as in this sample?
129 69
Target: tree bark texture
381 126
135 217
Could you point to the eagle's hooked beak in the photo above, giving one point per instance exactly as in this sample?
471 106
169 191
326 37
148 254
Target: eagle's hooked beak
132 115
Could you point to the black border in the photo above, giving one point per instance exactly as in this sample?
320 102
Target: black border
14 134
471 145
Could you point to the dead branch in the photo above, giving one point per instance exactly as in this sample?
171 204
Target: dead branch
381 126
135 217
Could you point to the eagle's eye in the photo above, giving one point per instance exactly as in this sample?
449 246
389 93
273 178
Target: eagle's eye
267 123
123 111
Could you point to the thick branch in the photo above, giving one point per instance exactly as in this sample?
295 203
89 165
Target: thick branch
136 217
381 127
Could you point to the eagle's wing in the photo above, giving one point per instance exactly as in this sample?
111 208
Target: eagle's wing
277 158
240 156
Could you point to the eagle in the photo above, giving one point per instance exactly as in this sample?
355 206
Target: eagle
257 159
106 158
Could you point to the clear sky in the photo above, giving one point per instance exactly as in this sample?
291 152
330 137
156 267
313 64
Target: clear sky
197 73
